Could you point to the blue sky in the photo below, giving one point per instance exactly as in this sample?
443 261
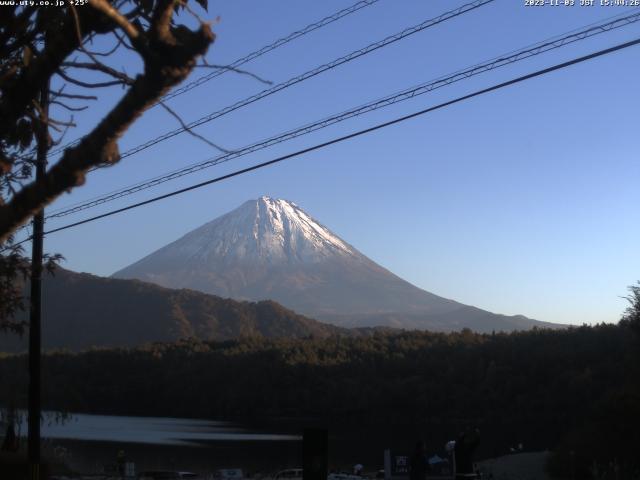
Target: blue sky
522 201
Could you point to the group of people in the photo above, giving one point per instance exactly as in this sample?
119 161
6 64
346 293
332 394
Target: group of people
463 449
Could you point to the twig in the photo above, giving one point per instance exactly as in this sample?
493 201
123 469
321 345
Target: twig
126 26
53 121
47 120
195 15
68 107
123 42
89 85
190 131
73 96
100 67
55 143
108 52
236 70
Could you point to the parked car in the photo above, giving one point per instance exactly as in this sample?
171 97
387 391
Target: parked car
289 474
227 474
168 475
345 476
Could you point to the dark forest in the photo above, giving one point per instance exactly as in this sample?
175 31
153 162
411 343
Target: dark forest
574 390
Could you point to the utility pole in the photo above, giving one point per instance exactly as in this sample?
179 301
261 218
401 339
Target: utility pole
35 330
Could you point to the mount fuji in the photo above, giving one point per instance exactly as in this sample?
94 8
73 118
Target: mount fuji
272 249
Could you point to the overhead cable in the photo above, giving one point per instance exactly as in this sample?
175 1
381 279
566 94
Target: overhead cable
497 62
252 56
358 133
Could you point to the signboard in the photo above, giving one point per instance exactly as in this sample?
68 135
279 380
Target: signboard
399 465
396 465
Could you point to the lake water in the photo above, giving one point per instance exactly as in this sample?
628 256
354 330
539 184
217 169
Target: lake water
151 430
88 443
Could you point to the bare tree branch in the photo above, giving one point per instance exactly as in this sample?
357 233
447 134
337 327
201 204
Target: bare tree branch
68 107
61 43
126 26
100 67
186 6
160 28
108 53
97 64
80 83
73 96
190 131
236 70
169 53
55 143
52 122
123 41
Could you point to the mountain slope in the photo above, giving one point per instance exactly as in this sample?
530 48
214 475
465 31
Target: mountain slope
271 249
82 310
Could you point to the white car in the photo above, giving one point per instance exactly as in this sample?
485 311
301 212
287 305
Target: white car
289 474
344 476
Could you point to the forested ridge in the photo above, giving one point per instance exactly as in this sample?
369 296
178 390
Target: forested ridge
115 312
569 390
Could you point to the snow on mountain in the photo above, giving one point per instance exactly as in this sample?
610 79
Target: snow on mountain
263 231
271 249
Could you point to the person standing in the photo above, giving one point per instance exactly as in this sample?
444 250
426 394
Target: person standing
465 447
10 443
419 465
121 461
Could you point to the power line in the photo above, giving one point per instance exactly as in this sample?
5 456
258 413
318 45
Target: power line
319 146
311 73
278 43
497 62
253 55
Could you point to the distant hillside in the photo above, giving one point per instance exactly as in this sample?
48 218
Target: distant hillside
473 318
82 310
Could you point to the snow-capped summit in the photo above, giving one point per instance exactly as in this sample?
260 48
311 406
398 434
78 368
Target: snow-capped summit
272 249
265 230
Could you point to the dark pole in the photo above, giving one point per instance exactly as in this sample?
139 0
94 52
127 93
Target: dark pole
315 457
35 331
